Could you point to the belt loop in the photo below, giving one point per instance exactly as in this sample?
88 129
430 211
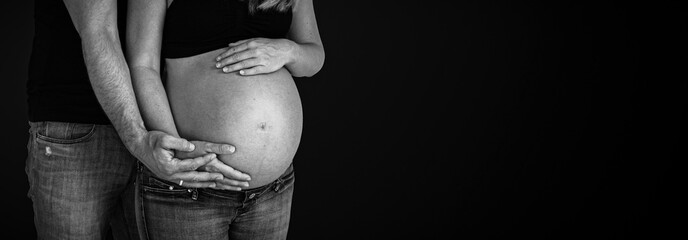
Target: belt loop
45 128
278 184
194 194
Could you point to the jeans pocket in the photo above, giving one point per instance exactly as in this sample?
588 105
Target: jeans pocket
65 133
154 185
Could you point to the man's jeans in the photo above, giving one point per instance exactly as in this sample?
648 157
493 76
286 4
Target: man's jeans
172 212
80 181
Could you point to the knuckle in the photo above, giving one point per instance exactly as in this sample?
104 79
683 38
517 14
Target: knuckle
240 56
226 60
166 138
212 148
162 141
168 171
234 174
207 147
200 162
234 59
253 70
158 156
265 61
234 183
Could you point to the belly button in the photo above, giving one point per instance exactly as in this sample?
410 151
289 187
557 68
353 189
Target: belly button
263 126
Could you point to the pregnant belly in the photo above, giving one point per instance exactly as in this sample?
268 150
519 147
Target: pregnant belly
261 115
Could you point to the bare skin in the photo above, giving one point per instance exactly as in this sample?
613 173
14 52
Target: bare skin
260 114
301 54
96 23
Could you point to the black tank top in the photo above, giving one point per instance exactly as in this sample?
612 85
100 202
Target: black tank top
58 88
193 27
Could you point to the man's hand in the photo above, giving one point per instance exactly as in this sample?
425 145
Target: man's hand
157 153
233 179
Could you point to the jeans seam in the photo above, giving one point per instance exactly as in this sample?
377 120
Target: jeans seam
143 229
180 191
30 161
48 139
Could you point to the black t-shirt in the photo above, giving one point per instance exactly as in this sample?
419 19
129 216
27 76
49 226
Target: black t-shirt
193 27
58 87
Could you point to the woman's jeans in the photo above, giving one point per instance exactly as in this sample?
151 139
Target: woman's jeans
173 212
80 181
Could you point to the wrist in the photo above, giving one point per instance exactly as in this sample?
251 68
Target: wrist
136 141
292 52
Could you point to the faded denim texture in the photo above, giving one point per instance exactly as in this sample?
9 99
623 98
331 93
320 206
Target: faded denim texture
172 212
80 181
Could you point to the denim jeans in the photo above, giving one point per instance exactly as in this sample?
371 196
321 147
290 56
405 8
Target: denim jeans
172 212
80 181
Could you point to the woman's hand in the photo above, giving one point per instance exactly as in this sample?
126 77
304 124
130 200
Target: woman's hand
233 179
157 149
256 56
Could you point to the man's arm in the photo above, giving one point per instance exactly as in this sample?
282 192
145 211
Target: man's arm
96 23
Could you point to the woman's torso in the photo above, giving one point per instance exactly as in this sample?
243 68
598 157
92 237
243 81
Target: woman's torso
261 115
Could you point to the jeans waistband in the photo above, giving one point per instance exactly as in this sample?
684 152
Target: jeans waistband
43 125
243 194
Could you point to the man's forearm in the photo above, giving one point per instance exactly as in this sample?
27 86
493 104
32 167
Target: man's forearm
111 82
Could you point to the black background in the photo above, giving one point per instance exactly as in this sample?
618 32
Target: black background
480 119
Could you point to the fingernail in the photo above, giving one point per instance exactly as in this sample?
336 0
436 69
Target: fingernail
225 69
229 148
212 185
218 58
192 146
241 72
248 178
217 65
